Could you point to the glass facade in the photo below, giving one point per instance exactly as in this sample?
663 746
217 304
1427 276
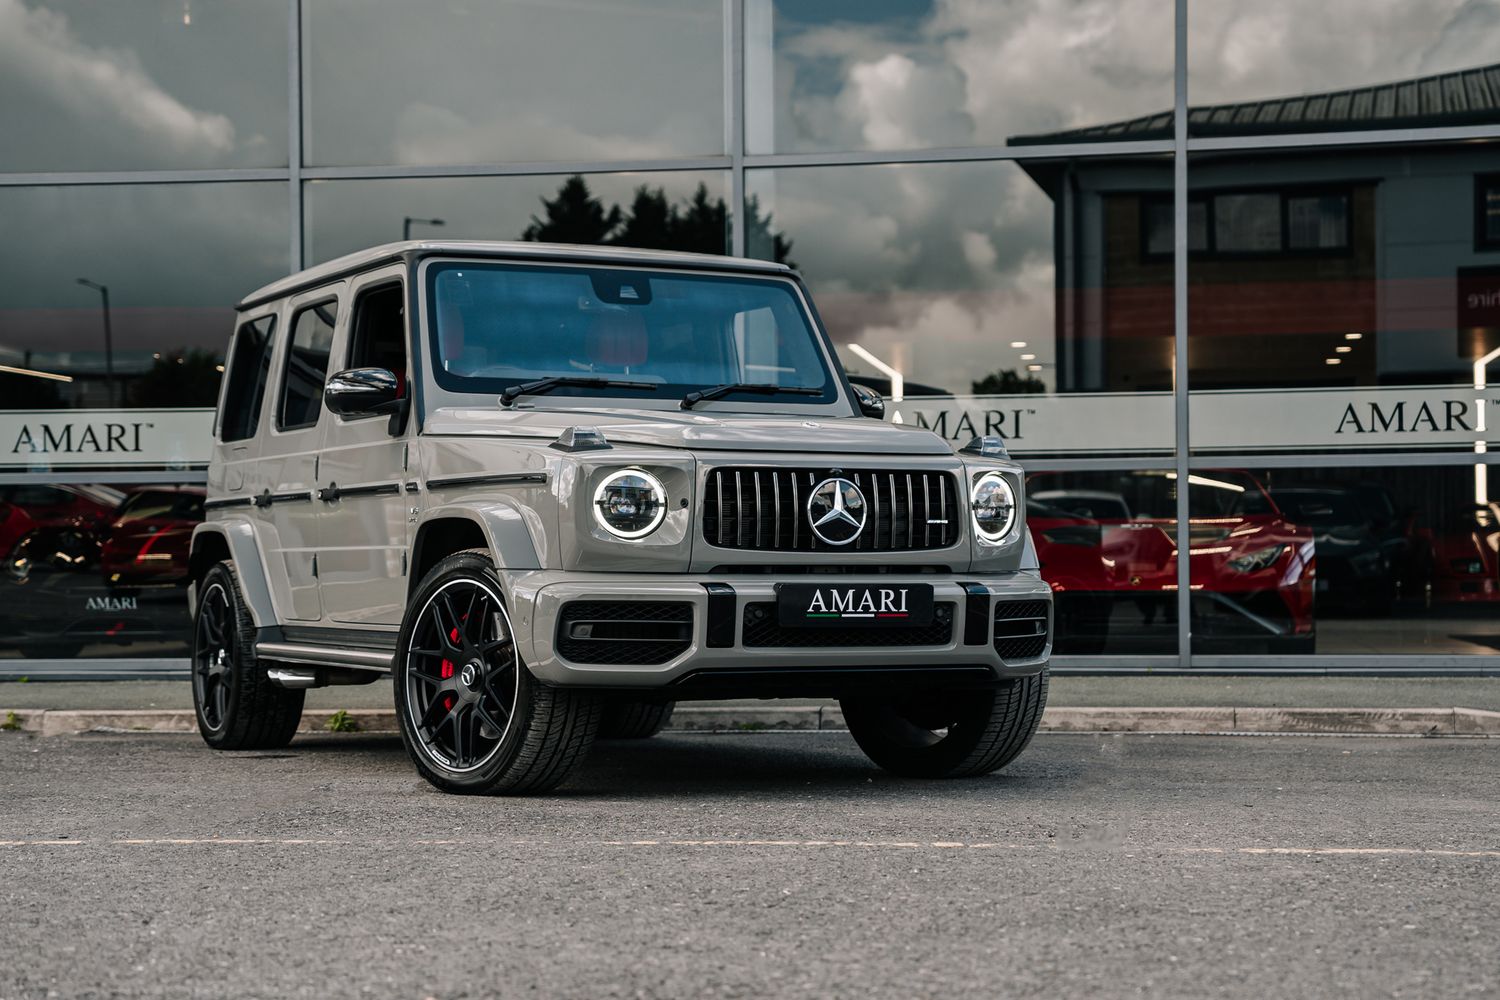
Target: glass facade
1250 248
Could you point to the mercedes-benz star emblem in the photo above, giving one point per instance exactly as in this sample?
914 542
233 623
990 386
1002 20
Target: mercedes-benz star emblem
836 511
469 675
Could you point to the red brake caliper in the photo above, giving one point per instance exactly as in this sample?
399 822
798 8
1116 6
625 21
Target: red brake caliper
446 670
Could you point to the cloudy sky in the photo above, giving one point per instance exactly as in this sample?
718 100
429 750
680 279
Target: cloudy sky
953 261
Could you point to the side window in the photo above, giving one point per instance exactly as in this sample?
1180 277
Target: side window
306 366
249 368
378 333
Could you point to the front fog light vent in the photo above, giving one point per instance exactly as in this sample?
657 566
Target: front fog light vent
630 503
615 632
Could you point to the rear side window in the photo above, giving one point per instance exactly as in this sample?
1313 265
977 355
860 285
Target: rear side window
249 369
307 366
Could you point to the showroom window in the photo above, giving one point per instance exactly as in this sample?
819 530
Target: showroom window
980 196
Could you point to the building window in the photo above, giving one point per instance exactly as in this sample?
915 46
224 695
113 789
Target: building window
1255 223
1247 223
1487 212
1158 227
1317 222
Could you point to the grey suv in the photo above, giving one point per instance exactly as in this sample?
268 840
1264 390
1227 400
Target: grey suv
552 490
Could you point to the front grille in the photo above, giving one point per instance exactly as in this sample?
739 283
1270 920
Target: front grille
762 630
1020 629
645 632
766 510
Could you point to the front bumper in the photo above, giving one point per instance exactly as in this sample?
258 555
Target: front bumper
538 598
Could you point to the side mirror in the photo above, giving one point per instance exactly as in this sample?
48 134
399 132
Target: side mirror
366 392
870 403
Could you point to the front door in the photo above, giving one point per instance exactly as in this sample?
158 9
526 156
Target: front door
364 528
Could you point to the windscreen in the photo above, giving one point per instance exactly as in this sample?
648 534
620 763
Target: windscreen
493 326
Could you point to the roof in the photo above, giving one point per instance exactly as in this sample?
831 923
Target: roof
410 250
1465 97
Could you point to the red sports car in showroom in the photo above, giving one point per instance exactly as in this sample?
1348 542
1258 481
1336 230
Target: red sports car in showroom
1106 536
149 538
15 524
1466 556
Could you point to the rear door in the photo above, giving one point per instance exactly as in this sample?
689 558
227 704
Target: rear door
286 506
240 417
363 510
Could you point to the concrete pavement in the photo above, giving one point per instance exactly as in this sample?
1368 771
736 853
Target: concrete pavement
753 865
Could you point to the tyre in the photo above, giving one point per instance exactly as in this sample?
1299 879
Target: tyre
238 707
634 720
955 734
472 717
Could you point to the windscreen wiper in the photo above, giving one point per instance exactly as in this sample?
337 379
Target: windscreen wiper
544 385
692 399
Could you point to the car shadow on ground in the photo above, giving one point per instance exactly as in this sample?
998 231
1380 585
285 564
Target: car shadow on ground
678 764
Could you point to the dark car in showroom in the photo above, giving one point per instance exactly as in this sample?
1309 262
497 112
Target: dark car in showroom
94 564
1355 565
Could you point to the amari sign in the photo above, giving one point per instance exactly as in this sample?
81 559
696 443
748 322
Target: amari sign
53 439
1249 420
1078 423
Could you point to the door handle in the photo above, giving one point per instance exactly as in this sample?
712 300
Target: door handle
330 493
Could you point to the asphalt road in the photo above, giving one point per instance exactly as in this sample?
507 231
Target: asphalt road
754 865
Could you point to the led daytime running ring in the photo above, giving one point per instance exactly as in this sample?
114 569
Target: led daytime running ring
1008 494
658 497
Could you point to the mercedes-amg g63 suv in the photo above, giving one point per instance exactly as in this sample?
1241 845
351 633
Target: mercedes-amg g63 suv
552 490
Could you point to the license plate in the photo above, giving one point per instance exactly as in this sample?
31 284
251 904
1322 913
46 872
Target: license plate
857 605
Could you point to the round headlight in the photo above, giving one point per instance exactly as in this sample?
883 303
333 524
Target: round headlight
630 503
993 503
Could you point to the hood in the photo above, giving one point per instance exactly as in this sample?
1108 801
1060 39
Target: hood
699 431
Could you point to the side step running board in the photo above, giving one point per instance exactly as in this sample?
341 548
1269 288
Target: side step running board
325 656
301 678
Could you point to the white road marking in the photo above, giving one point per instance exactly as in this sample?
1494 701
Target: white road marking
866 844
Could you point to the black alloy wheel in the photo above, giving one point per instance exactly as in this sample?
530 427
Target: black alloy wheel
214 654
237 705
473 718
462 673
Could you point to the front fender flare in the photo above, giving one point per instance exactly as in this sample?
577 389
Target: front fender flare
509 530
